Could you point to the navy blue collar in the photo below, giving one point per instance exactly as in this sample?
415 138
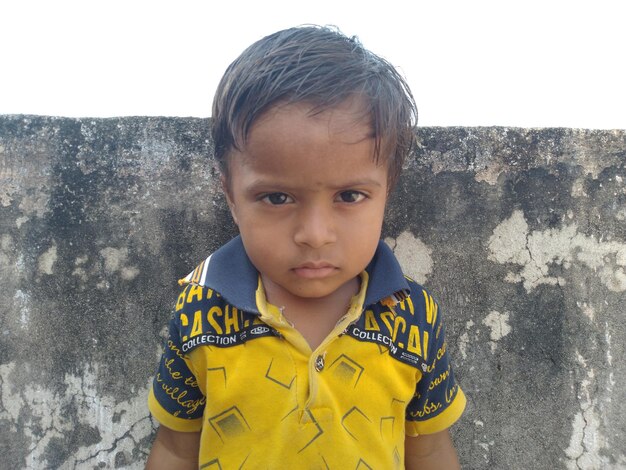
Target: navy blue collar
230 272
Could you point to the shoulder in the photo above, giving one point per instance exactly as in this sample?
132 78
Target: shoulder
194 297
196 301
417 305
204 317
407 322
194 305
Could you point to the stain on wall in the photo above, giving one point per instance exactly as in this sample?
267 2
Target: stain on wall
520 233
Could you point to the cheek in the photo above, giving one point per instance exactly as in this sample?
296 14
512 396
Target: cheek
374 217
263 252
257 233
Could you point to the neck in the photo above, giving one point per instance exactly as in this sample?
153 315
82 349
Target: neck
315 317
339 299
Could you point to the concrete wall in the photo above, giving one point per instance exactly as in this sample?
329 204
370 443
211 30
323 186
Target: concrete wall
521 234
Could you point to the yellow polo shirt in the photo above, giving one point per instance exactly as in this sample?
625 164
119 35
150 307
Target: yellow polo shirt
235 369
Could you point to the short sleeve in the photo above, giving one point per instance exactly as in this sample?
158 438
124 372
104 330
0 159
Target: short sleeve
175 399
438 400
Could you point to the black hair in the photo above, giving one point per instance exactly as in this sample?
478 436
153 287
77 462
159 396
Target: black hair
321 66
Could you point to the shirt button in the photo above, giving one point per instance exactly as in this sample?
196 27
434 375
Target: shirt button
319 363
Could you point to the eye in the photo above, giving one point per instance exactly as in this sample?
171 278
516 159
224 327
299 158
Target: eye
276 199
351 196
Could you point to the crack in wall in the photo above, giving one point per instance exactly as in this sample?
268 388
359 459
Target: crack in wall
46 418
588 446
108 455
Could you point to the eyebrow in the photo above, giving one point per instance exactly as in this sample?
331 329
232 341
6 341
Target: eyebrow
277 185
359 182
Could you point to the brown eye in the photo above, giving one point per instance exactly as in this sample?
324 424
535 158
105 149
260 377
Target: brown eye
276 199
351 196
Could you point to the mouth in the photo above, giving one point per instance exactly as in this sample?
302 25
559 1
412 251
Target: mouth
314 270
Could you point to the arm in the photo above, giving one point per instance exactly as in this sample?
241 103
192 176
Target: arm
173 449
431 452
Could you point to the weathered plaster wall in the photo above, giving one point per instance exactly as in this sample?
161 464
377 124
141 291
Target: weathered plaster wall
521 233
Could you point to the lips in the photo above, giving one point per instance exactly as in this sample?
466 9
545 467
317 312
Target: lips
314 270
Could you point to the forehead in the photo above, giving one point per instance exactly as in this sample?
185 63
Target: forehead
347 122
298 142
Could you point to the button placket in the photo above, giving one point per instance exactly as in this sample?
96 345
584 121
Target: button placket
320 362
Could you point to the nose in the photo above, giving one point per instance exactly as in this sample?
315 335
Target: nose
315 226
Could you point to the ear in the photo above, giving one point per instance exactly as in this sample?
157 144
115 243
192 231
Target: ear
229 200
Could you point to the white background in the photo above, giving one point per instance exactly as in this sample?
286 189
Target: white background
531 63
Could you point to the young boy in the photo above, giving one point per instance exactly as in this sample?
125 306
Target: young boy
300 344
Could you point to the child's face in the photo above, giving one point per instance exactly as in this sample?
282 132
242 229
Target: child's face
308 197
